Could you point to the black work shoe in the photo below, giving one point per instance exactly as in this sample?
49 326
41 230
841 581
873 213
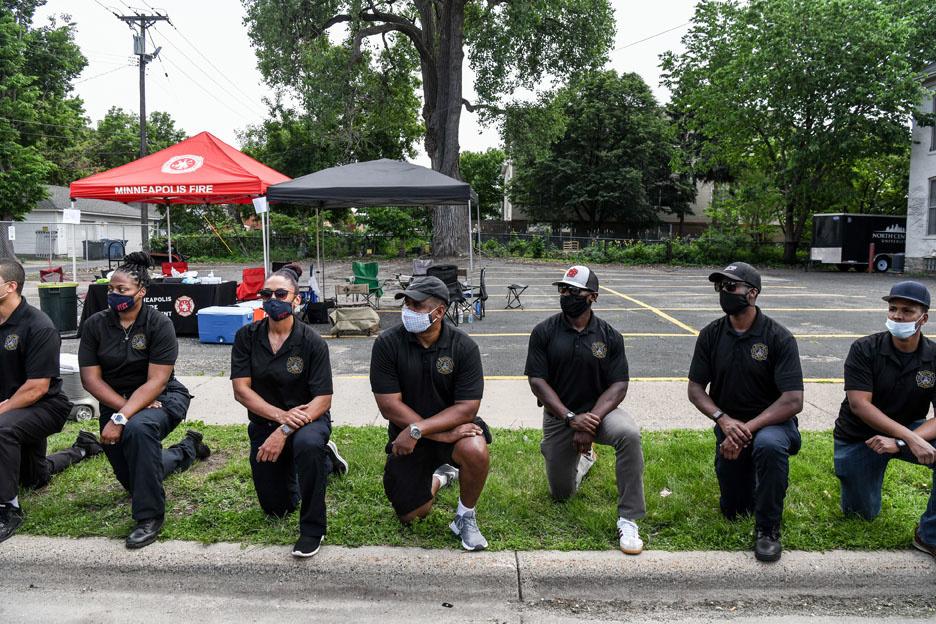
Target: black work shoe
10 519
144 533
339 463
88 443
307 546
918 543
767 545
201 449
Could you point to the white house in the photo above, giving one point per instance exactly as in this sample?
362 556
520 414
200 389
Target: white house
921 196
43 226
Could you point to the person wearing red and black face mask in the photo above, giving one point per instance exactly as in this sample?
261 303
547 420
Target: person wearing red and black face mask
127 359
578 371
281 373
751 368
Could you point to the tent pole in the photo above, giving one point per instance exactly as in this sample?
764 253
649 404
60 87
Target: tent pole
169 229
470 251
263 240
478 207
318 252
74 258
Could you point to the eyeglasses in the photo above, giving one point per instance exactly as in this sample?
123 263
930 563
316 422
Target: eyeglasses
729 286
280 293
572 290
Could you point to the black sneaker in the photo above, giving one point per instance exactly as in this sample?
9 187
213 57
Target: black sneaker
339 463
767 545
201 449
87 442
918 543
10 519
307 546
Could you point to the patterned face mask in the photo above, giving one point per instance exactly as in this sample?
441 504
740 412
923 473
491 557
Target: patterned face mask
416 322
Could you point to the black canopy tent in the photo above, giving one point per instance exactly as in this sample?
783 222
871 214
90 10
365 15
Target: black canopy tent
381 182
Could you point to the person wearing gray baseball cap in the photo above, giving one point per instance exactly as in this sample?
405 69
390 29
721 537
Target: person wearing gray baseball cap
746 377
578 372
428 382
890 383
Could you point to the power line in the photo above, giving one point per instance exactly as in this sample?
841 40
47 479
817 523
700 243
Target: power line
662 32
110 71
202 87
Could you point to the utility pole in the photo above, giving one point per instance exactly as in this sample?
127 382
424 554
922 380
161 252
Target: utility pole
138 20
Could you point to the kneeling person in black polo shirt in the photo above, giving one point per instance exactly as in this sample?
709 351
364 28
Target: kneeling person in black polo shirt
890 383
578 371
282 375
32 405
427 379
127 359
751 365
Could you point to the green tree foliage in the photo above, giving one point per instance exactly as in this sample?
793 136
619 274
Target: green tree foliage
797 93
39 118
597 152
483 171
509 45
116 139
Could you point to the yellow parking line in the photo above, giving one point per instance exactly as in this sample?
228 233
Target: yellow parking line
656 311
813 336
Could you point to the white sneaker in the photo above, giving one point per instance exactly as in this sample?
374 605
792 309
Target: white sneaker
447 474
631 544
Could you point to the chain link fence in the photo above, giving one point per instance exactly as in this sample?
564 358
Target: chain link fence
39 240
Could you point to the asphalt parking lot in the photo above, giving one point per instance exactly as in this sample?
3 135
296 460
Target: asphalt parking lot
659 311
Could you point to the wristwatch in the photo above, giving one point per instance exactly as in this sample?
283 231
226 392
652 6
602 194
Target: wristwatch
285 429
716 415
415 432
118 419
569 417
900 443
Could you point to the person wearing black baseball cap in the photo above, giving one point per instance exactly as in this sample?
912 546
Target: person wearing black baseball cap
578 371
427 380
890 383
751 366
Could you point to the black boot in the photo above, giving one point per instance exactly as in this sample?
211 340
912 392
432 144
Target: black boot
201 449
144 533
88 443
10 519
767 545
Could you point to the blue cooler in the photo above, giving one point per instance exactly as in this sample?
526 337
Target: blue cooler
218 324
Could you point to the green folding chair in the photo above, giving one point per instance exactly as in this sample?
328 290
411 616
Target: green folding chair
366 273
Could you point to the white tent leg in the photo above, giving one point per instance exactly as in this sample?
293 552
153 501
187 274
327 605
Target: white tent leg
478 208
74 236
266 254
169 230
470 251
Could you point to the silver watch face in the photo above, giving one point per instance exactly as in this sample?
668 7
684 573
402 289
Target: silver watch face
414 432
119 419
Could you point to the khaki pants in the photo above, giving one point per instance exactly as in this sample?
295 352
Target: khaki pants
565 467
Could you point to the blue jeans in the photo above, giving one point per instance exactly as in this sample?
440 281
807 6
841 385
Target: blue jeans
757 480
861 475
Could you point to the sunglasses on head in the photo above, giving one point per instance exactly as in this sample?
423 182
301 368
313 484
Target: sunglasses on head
575 291
280 293
729 286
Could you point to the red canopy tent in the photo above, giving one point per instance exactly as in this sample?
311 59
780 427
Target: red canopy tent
200 169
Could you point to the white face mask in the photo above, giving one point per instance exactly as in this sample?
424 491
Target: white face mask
6 294
416 322
901 330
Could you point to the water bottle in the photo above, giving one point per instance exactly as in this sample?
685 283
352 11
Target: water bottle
470 317
477 307
461 315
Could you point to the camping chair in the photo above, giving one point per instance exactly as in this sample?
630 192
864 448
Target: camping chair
366 273
480 296
52 275
448 273
249 288
167 267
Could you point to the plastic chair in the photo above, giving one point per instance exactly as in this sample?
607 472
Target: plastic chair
52 275
249 288
167 267
366 273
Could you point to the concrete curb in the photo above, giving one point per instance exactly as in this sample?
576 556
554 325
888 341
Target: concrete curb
456 576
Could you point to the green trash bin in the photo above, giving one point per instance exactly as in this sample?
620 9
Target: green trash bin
59 300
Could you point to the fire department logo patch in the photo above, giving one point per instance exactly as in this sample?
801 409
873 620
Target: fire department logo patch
11 342
759 352
138 342
184 306
926 379
599 350
445 365
294 365
185 163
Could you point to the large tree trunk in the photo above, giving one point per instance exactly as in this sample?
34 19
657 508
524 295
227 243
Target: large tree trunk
443 27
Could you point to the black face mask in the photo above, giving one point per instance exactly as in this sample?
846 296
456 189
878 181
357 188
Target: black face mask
574 306
732 303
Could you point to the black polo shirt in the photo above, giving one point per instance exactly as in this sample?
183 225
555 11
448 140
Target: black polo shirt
903 386
293 376
30 350
579 366
125 355
748 371
432 379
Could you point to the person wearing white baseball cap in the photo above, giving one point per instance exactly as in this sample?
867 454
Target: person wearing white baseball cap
578 371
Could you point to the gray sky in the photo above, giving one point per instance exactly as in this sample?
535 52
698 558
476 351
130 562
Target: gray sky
213 83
